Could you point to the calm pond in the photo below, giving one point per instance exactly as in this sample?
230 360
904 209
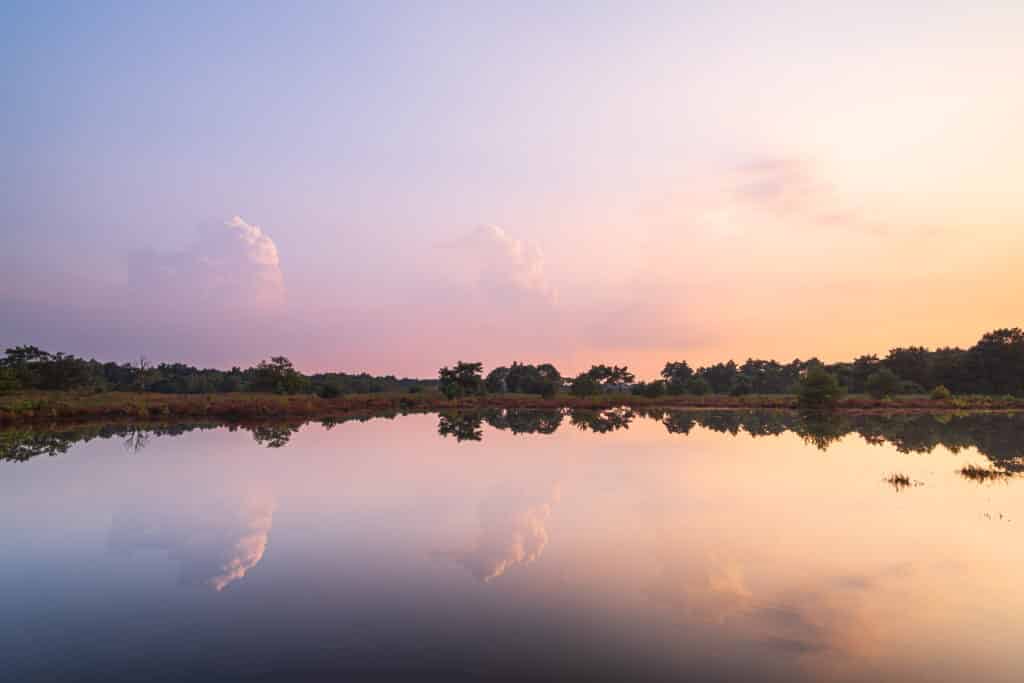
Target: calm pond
526 546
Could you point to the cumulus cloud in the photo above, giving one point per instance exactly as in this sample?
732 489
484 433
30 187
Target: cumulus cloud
491 260
215 545
233 265
512 532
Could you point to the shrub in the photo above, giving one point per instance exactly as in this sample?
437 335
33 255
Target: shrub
548 390
742 387
328 391
8 381
585 385
819 390
908 387
941 393
883 383
698 386
650 389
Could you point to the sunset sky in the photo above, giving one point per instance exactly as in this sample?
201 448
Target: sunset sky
393 187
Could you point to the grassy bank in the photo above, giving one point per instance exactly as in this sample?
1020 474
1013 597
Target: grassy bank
50 406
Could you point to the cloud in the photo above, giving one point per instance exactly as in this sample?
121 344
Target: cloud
489 259
512 532
232 266
783 193
215 545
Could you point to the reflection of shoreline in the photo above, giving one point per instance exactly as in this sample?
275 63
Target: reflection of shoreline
215 545
996 436
513 531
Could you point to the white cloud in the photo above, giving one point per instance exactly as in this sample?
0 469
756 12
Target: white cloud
232 267
489 259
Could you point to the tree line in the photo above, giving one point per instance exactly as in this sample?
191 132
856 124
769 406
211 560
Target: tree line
30 368
994 365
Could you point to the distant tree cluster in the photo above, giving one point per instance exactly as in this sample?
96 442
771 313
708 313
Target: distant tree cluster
994 365
28 368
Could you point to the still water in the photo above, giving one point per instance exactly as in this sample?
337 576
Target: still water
529 546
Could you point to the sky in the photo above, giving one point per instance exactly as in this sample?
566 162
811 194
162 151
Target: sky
397 187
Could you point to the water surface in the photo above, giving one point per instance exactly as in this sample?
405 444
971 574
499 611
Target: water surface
522 546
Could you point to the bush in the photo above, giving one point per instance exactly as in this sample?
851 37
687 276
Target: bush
698 386
908 387
654 389
328 391
742 387
585 385
415 389
819 390
8 381
883 383
941 393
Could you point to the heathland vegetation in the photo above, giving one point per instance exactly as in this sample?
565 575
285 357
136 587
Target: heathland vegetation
993 367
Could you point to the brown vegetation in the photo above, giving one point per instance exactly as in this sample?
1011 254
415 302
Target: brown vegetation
56 405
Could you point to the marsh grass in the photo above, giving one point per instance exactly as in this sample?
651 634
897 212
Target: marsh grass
89 405
984 475
900 481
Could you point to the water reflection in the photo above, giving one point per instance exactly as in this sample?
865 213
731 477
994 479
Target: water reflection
997 436
215 542
617 544
512 532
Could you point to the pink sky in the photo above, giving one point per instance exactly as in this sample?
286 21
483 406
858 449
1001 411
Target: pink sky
394 191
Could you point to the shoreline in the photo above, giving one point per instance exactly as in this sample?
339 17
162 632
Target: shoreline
58 407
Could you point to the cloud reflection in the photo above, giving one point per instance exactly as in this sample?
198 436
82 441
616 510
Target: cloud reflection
832 616
513 531
215 545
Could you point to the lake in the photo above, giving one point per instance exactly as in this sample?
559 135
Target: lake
621 546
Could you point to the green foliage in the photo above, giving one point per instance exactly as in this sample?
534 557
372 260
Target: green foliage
328 391
741 387
611 377
882 383
521 378
941 393
8 381
676 374
819 390
462 380
654 389
279 376
585 385
698 386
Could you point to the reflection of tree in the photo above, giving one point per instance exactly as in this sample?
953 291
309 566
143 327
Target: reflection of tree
602 421
520 421
136 440
463 426
21 444
274 436
678 423
821 428
998 436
